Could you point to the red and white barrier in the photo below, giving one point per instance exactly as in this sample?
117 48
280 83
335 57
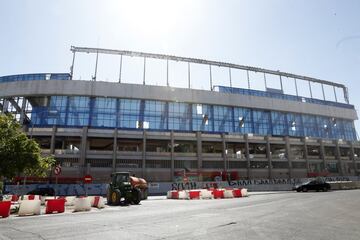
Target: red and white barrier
193 194
237 193
70 201
207 193
82 204
30 197
183 194
228 193
244 192
97 201
5 209
29 207
218 193
55 206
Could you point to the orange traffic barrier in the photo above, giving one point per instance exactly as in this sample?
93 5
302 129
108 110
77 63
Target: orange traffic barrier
5 209
55 205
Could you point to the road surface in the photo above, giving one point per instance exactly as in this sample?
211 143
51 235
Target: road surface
285 215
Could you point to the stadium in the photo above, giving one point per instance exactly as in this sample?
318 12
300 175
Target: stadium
166 133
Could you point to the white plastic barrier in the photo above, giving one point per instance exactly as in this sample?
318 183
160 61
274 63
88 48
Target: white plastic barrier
70 201
228 193
30 197
97 201
29 207
206 194
244 192
183 194
168 194
82 204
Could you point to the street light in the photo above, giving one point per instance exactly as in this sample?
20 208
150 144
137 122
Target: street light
32 122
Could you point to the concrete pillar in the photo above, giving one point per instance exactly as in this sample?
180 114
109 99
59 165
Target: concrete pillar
352 157
338 157
288 155
306 156
322 153
172 157
144 155
268 154
22 112
5 105
114 150
52 141
83 150
224 155
247 155
199 151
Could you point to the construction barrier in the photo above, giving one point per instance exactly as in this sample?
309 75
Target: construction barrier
30 197
237 193
82 204
244 192
29 207
97 201
55 206
210 193
194 194
70 201
183 194
228 193
44 199
206 194
5 209
218 193
174 194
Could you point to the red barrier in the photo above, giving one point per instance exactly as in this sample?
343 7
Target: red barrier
194 194
218 193
175 195
237 193
14 198
31 197
5 209
96 201
55 206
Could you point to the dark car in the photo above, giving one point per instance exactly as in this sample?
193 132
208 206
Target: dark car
47 191
316 185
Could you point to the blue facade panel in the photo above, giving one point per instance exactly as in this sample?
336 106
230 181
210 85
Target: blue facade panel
101 112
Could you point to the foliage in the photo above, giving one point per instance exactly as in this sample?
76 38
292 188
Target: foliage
18 153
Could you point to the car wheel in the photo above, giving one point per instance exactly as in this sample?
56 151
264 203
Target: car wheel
298 190
304 189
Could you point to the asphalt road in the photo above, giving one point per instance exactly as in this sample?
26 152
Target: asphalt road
289 215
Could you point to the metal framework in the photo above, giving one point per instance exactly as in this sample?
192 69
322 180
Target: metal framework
205 62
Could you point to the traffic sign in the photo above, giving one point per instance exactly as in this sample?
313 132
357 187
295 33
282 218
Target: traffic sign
87 179
57 170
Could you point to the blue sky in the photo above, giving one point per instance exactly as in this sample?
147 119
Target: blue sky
315 38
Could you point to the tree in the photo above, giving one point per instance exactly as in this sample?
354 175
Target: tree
18 153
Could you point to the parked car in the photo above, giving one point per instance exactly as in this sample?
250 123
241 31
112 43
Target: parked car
45 191
317 185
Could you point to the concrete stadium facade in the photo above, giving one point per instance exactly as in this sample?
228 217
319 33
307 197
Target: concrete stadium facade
164 133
